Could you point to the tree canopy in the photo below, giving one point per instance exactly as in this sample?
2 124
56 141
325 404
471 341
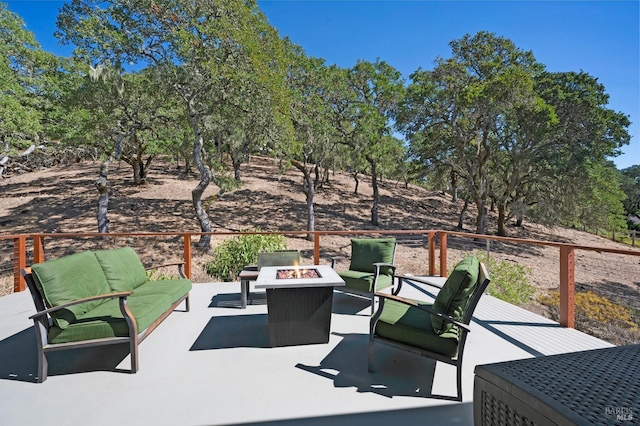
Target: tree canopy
220 58
25 73
512 134
210 83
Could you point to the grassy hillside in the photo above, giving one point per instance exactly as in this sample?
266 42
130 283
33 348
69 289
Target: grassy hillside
64 199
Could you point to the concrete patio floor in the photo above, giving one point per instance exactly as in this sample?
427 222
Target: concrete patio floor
213 365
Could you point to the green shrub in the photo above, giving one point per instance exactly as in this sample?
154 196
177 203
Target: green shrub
509 280
231 256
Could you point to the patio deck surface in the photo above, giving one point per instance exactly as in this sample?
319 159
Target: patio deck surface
213 365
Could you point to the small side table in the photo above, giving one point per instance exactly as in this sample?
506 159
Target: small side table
248 273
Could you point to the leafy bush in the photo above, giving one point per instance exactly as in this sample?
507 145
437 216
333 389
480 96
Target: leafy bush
509 280
231 256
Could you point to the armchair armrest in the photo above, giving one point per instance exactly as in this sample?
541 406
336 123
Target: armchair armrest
164 265
178 264
120 294
335 259
418 280
416 305
393 267
380 264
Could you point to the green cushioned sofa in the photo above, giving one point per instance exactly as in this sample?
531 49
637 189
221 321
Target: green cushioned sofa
96 298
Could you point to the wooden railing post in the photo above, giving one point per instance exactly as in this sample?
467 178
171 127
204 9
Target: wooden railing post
38 249
567 286
19 262
316 248
431 242
187 255
443 254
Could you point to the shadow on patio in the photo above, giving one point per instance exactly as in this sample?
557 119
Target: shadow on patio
395 373
213 365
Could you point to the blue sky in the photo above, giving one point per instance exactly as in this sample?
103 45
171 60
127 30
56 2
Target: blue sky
601 38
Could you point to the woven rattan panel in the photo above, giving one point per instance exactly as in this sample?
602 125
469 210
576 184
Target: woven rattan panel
600 387
497 412
299 316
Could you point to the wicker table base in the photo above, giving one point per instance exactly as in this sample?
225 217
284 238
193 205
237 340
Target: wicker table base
299 316
300 306
597 387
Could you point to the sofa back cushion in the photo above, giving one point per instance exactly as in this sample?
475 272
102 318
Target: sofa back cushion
454 296
122 267
367 251
67 279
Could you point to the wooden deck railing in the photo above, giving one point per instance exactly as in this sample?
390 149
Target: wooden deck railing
435 240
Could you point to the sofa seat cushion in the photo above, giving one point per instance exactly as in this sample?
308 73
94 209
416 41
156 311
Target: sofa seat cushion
71 278
406 324
363 281
106 320
173 289
122 267
456 293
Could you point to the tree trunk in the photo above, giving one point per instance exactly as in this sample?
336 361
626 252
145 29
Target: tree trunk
236 169
454 185
355 177
138 164
310 193
519 221
481 219
102 184
311 216
483 188
3 161
205 179
317 181
145 169
463 213
103 200
236 161
376 192
137 171
502 231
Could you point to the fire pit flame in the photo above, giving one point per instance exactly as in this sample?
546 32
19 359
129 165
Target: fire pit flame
297 273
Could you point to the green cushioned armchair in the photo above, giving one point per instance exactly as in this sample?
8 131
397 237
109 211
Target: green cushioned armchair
371 267
435 330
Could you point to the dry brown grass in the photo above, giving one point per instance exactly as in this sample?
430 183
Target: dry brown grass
64 199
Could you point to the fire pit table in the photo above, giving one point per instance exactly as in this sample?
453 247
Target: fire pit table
299 302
